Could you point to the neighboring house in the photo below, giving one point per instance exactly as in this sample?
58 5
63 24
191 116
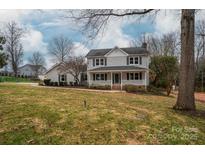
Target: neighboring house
6 71
30 70
118 67
55 75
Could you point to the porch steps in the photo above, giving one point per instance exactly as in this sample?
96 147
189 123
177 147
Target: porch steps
116 87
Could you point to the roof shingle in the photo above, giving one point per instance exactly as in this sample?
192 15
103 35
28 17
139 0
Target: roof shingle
130 51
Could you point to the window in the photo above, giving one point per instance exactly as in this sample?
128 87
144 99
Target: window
62 78
97 62
100 77
97 76
136 60
131 76
134 76
131 60
101 61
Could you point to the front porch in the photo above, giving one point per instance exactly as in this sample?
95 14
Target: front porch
117 79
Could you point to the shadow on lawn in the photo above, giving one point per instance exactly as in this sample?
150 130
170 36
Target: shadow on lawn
197 113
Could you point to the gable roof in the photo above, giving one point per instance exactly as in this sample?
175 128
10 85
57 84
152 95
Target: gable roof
129 51
114 49
31 66
53 67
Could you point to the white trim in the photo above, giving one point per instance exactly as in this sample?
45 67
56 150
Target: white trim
140 70
114 49
111 80
90 57
95 59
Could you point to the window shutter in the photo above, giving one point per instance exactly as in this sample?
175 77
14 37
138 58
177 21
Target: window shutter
93 77
140 60
127 60
127 76
105 61
58 77
105 76
93 62
140 75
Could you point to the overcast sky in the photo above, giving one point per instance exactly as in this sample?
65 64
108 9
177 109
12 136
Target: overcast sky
42 25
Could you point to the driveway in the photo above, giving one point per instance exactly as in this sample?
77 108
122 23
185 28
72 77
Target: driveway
200 96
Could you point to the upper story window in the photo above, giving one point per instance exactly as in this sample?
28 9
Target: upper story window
135 60
99 62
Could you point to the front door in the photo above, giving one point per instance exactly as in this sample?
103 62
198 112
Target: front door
116 78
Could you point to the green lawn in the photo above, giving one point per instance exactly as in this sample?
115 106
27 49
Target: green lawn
36 115
13 79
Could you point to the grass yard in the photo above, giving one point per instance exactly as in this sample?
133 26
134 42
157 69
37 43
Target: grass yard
13 79
35 115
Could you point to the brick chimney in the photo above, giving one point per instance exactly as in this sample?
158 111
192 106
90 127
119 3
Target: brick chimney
144 45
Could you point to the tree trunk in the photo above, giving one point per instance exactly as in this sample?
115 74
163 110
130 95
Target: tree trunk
185 100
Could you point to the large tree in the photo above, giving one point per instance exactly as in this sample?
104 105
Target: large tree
61 47
93 21
13 34
165 69
185 99
3 57
38 61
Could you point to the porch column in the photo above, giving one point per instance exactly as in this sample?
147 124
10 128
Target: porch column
88 78
145 76
121 80
111 80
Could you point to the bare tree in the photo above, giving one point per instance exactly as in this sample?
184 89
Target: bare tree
3 56
38 61
13 33
74 66
167 44
61 47
94 20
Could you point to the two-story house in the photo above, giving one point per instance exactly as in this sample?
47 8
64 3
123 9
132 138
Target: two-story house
118 67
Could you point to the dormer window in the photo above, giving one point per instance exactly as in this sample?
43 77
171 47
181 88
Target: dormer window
99 61
135 60
131 60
